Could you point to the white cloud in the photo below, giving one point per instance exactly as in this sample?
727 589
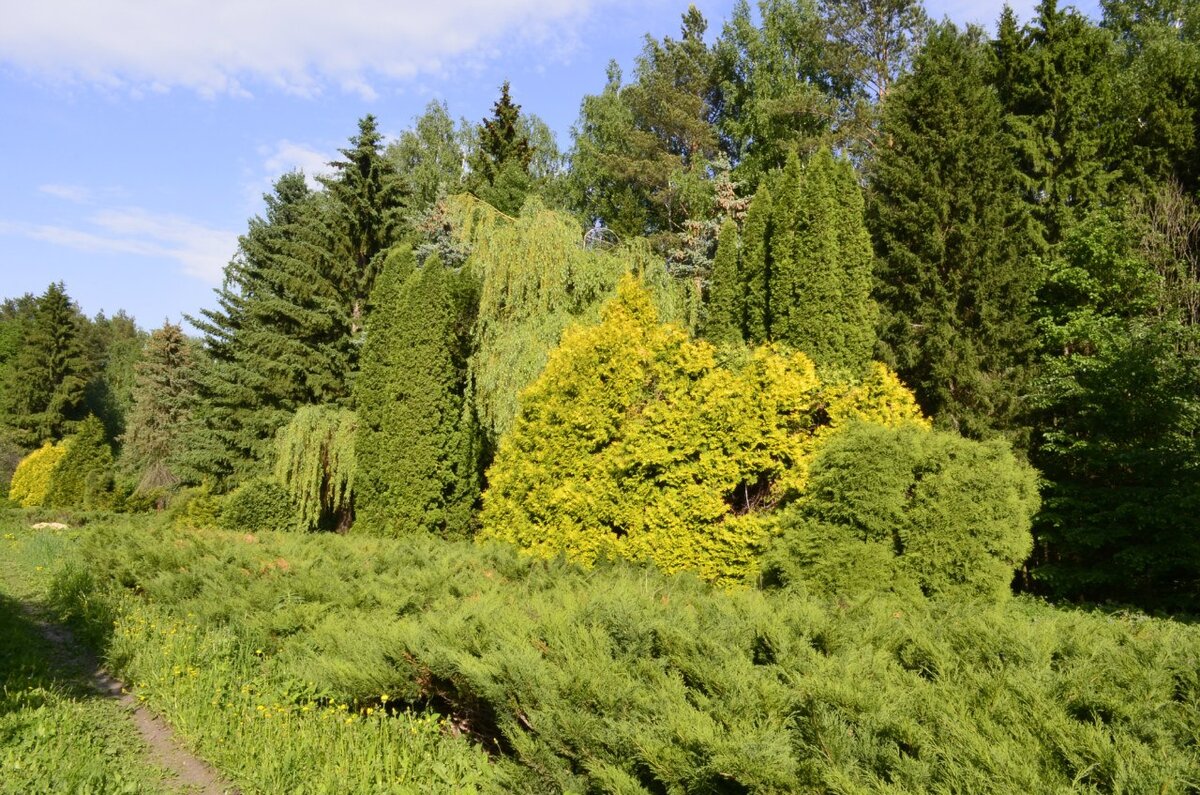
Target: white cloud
285 156
76 194
201 251
222 46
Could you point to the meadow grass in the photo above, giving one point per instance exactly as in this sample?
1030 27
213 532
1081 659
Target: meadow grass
265 734
56 735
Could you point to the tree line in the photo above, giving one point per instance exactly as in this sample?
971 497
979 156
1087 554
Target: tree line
1007 223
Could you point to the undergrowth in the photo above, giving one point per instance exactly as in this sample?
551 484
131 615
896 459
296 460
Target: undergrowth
291 661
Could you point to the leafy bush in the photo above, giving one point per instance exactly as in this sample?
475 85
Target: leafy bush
84 477
31 479
634 443
195 507
910 509
258 506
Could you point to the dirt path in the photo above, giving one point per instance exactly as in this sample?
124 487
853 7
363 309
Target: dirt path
191 774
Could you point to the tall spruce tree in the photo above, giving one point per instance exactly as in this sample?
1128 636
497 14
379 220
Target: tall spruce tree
418 463
955 278
1056 80
502 154
291 313
365 215
47 381
164 394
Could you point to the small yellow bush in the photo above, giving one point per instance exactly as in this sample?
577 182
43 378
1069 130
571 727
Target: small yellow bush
31 480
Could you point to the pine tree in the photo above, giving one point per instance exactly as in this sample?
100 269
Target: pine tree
772 89
642 150
955 277
418 466
48 379
164 394
723 322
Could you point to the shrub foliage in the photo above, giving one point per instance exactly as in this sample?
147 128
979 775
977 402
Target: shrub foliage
910 509
31 479
635 443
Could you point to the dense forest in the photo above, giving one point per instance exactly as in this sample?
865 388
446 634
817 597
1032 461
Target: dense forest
829 205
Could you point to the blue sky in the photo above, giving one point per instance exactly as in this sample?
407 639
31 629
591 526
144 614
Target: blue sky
136 138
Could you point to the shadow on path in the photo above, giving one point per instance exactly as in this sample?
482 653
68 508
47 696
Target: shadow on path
75 667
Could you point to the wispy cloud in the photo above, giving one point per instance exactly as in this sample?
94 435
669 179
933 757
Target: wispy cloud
302 46
200 251
76 194
287 155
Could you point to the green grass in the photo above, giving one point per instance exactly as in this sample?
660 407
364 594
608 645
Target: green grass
221 695
274 653
56 735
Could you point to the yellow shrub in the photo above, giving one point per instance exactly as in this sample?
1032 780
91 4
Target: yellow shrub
635 443
31 480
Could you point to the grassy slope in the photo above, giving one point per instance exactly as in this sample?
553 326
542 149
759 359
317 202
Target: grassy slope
270 650
56 735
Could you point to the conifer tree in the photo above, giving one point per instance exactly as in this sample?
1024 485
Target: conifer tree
756 318
773 92
723 322
48 378
503 153
280 338
955 277
1057 85
418 466
290 315
164 396
366 214
642 149
83 479
819 264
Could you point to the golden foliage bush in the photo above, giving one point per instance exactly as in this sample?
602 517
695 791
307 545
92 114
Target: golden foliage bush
636 443
31 480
